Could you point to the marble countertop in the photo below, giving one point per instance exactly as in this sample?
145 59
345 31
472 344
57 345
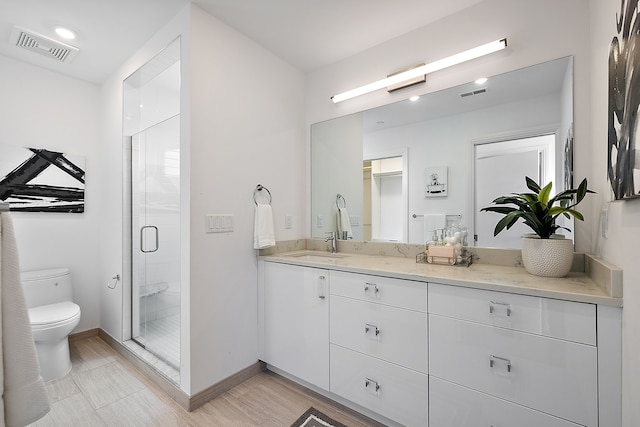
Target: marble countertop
577 286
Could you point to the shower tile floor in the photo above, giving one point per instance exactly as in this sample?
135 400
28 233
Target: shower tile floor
162 337
104 389
162 346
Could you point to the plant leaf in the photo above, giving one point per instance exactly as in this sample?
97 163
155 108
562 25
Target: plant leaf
507 221
532 185
543 196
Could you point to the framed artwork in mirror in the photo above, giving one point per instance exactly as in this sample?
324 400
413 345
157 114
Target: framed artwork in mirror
568 160
436 182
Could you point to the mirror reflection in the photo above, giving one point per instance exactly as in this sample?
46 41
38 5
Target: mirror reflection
408 168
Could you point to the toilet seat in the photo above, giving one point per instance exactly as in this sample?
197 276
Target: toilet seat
51 315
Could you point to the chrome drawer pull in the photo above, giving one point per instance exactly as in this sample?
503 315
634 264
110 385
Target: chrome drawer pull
504 304
321 280
369 382
369 326
367 285
493 358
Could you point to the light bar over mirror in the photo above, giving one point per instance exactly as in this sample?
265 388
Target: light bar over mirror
422 70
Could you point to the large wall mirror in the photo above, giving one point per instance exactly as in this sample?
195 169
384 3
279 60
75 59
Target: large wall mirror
395 172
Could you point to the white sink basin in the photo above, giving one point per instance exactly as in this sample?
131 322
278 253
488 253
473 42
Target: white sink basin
317 256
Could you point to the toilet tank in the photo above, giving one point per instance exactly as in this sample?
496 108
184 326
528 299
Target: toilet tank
44 287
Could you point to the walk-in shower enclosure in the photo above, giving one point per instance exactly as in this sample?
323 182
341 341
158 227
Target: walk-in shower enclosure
152 152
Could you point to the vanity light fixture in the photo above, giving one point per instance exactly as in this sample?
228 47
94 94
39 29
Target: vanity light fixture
422 70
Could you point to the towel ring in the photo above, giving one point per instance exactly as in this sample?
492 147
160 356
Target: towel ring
259 187
338 198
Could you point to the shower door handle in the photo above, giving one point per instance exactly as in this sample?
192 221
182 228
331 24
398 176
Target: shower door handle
142 240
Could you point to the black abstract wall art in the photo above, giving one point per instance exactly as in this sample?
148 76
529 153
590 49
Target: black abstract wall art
624 100
39 180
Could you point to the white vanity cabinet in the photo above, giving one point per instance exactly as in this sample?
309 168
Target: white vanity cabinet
379 351
418 353
295 321
536 358
453 405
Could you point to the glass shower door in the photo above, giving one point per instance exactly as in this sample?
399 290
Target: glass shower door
156 239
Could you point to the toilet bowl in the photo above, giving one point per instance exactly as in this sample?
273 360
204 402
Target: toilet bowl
53 316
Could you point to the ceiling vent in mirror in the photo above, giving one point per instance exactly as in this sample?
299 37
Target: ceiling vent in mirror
473 92
43 45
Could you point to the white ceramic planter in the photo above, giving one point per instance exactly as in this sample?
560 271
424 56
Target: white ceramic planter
547 257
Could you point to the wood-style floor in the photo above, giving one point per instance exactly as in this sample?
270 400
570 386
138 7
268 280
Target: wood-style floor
103 389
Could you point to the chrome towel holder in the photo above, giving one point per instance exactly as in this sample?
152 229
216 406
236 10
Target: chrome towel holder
344 201
259 188
447 215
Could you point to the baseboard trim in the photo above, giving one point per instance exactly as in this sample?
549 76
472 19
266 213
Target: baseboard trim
199 399
84 334
189 403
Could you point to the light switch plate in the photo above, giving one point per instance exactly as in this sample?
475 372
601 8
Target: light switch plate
288 222
218 223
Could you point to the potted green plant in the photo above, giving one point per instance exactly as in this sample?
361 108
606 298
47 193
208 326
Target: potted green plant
545 253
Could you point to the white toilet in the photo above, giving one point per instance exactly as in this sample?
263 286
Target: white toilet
53 316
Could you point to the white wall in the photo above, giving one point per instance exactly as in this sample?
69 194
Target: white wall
44 109
620 248
536 31
246 128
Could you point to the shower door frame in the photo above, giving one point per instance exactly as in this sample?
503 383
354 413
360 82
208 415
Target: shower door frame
136 120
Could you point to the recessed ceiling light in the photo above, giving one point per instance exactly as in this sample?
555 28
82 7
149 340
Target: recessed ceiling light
414 98
481 80
65 33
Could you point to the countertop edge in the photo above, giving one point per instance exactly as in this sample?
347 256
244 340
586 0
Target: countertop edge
607 278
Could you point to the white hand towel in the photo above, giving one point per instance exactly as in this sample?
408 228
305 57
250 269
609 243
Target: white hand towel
433 222
24 395
344 224
263 235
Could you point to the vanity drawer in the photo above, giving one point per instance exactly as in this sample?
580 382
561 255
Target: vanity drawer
553 376
452 405
390 390
394 334
396 292
566 320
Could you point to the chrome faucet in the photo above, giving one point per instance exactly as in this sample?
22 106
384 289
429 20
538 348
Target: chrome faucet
333 237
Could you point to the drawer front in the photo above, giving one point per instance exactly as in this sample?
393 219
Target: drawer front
546 374
554 318
396 292
390 390
454 406
390 333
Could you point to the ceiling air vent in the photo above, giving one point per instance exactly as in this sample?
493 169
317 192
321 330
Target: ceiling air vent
473 92
43 45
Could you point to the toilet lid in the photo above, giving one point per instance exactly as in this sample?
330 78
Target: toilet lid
53 313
